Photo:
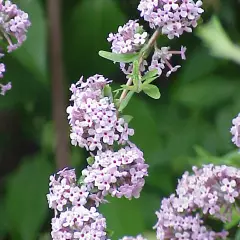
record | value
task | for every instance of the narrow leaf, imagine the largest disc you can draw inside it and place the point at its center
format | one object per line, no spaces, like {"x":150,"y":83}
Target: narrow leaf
{"x":90,"y":160}
{"x":108,"y":92}
{"x":150,"y":74}
{"x":126,"y":58}
{"x":130,"y":88}
{"x":125,"y":101}
{"x":127,"y":118}
{"x":223,"y":47}
{"x":152,"y":91}
{"x":149,"y":80}
{"x":32,"y":179}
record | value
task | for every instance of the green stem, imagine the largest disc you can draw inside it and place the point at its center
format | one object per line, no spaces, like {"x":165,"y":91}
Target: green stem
{"x":143,"y":55}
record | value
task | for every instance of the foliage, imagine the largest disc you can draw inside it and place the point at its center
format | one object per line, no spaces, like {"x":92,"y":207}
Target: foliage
{"x":196,"y":108}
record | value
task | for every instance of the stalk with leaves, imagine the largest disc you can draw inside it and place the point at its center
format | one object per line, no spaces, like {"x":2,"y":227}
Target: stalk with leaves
{"x":116,"y":166}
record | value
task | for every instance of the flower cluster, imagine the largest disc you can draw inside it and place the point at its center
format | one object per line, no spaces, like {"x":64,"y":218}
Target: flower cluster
{"x":93,"y":117}
{"x":129,"y":38}
{"x":64,"y":191}
{"x":213,"y":190}
{"x":125,"y":41}
{"x":96,"y":126}
{"x":6,"y":87}
{"x":235,"y":131}
{"x":118,"y":173}
{"x":75,"y":218}
{"x":14,"y":25}
{"x":173,"y":17}
{"x":161,"y":57}
{"x":138,"y":237}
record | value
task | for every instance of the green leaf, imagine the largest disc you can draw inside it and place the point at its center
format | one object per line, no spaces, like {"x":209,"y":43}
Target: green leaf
{"x":149,"y":80}
{"x":26,"y":203}
{"x":235,"y":220}
{"x":146,"y":135}
{"x":92,"y":21}
{"x":109,"y":232}
{"x":195,"y":69}
{"x":150,"y":74}
{"x":130,"y":88}
{"x":115,"y":57}
{"x":217,"y":40}
{"x":107,"y":90}
{"x":123,"y":216}
{"x":151,"y":90}
{"x":45,"y":236}
{"x":127,"y":118}
{"x":125,"y":101}
{"x":90,"y":160}
{"x":81,"y":180}
{"x":33,"y":53}
{"x":207,"y":92}
{"x":77,"y":157}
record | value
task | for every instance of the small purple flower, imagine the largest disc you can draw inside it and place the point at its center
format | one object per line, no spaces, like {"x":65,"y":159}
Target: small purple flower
{"x":93,"y":117}
{"x":173,"y":17}
{"x":76,"y":216}
{"x":138,"y":237}
{"x":209,"y":190}
{"x":5,"y":88}
{"x":14,"y":24}
{"x":235,"y":131}
{"x":129,"y":38}
{"x":161,"y":59}
{"x":2,"y":69}
{"x":118,"y":173}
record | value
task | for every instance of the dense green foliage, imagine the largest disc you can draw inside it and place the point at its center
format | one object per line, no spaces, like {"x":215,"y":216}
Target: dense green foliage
{"x":187,"y":126}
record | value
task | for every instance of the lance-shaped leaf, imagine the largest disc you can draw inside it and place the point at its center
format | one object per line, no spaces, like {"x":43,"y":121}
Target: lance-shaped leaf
{"x":152,"y":91}
{"x":125,"y":101}
{"x":115,"y":57}
{"x":217,"y":40}
{"x":150,"y":74}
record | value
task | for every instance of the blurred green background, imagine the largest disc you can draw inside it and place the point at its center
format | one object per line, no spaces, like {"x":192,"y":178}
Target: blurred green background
{"x":187,"y":126}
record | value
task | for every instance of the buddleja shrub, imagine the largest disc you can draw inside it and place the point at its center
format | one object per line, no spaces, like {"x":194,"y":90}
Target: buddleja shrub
{"x":116,"y":166}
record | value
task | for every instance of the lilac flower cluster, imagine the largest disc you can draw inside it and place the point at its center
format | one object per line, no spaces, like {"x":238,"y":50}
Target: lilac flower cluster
{"x":138,"y":237}
{"x":173,"y":17}
{"x":129,"y":38}
{"x":14,"y":25}
{"x":75,"y":216}
{"x":235,"y":131}
{"x":118,"y":173}
{"x":213,"y":190}
{"x":96,"y":126}
{"x":93,"y":117}
{"x":125,"y":42}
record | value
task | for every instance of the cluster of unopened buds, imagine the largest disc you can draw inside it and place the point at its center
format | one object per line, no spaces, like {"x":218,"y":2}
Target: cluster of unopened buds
{"x":14,"y":26}
{"x":116,"y":167}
